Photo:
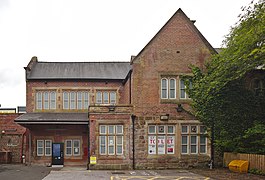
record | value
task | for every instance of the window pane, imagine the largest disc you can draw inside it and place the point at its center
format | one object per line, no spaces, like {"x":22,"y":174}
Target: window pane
{"x":202,"y":140}
{"x":48,"y":147}
{"x":184,"y":149}
{"x":184,"y":139}
{"x":76,"y":146}
{"x":172,"y":90}
{"x":119,"y":142}
{"x":151,"y":129}
{"x":151,"y":144}
{"x":119,"y":129}
{"x":161,"y":129}
{"x":193,"y":149}
{"x":182,"y":89}
{"x":170,"y":129}
{"x":68,"y":145}
{"x":203,"y":129}
{"x":86,"y":100}
{"x":113,"y":97}
{"x":106,"y":97}
{"x":164,"y":88}
{"x":66,"y":100}
{"x":39,"y":100}
{"x":40,"y":147}
{"x":46,"y":100}
{"x":193,"y":139}
{"x":184,"y":129}
{"x":53,"y":100}
{"x":193,"y":129}
{"x":202,"y":149}
{"x":72,"y":102}
{"x":170,"y":144}
{"x":79,"y":100}
{"x":161,"y":141}
{"x":99,"y":98}
{"x":111,"y":129}
{"x":102,"y":129}
{"x":102,"y":142}
{"x":111,"y":143}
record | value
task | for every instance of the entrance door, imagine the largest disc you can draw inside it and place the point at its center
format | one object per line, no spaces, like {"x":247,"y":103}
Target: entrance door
{"x":57,"y":153}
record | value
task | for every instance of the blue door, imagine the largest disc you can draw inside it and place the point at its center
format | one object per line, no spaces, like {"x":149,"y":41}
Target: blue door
{"x":57,"y":154}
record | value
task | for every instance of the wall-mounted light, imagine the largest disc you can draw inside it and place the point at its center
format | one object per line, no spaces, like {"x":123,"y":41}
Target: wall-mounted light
{"x":179,"y":108}
{"x":164,"y":117}
{"x":3,"y":132}
{"x":111,"y":108}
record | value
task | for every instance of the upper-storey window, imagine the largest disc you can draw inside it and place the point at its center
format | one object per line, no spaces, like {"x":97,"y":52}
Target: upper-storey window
{"x":75,"y":100}
{"x":168,"y":88}
{"x":106,"y":97}
{"x":182,"y":86}
{"x":46,"y":100}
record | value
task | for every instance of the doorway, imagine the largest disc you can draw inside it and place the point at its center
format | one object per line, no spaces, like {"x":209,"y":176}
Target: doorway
{"x":57,"y":153}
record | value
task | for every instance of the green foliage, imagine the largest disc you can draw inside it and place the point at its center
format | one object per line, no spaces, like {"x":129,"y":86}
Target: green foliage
{"x":219,"y":94}
{"x":256,"y":171}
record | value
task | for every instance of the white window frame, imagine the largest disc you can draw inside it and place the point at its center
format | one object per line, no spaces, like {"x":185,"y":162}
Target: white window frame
{"x":181,"y":89}
{"x":111,"y":139}
{"x":40,"y":147}
{"x":99,"y":97}
{"x":76,"y":147}
{"x":68,"y":147}
{"x":50,"y":147}
{"x":38,"y":100}
{"x":53,"y":100}
{"x":164,"y":89}
{"x":113,"y":97}
{"x":79,"y":96}
{"x":66,"y":100}
{"x":170,"y":89}
{"x":194,"y":131}
{"x":72,"y":100}
{"x":158,"y":139}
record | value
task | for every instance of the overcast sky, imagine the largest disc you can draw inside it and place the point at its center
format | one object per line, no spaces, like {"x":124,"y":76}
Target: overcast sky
{"x":99,"y":30}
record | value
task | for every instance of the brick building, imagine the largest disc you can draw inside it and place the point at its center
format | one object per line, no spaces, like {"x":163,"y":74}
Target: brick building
{"x":122,"y":114}
{"x":12,"y":137}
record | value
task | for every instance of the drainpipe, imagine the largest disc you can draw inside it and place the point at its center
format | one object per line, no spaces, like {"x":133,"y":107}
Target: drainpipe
{"x":133,"y":148}
{"x":212,"y":147}
{"x":22,"y":156}
{"x":130,"y":89}
{"x":29,"y":148}
{"x":88,"y":144}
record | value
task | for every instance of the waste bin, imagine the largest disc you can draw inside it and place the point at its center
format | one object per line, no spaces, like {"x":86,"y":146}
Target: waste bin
{"x":238,"y":166}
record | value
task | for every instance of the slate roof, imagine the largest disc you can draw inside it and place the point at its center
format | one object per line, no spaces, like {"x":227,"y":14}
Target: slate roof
{"x":79,"y":70}
{"x":53,"y":118}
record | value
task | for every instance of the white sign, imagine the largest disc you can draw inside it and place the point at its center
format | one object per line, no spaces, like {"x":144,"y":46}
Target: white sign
{"x":151,"y":144}
{"x":161,"y":144}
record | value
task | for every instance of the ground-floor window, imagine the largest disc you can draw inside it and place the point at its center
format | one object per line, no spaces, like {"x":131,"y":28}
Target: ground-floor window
{"x":44,"y":147}
{"x":111,"y":139}
{"x":161,"y":139}
{"x":193,"y":139}
{"x":72,"y":147}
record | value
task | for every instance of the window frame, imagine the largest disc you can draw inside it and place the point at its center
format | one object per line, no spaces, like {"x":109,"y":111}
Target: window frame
{"x":111,"y":145}
{"x":160,"y":140}
{"x":45,"y":145}
{"x":164,"y":88}
{"x":38,"y":147}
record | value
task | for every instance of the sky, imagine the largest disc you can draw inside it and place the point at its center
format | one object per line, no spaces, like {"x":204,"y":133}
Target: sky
{"x":87,"y":30}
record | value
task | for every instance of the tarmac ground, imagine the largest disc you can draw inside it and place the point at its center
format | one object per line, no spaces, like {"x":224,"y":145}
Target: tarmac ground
{"x":35,"y":172}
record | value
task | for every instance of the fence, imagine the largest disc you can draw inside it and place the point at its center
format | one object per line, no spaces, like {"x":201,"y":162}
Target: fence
{"x":256,"y":161}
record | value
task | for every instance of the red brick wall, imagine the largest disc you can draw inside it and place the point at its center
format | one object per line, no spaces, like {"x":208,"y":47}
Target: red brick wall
{"x":58,"y":134}
{"x":12,"y":139}
{"x":169,"y":54}
{"x":31,"y":86}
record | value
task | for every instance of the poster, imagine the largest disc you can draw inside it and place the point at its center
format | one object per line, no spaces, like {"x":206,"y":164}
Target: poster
{"x":151,"y":144}
{"x":161,"y":144}
{"x":170,"y":145}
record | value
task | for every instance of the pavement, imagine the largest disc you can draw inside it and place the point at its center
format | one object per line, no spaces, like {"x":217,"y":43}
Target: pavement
{"x":35,"y":172}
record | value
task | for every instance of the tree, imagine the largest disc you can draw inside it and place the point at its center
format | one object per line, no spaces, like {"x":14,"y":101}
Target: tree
{"x":219,"y":94}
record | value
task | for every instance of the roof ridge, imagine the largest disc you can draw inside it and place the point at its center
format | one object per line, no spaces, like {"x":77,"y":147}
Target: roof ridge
{"x":84,"y":62}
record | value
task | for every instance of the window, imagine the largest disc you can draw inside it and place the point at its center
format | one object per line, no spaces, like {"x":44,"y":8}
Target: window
{"x":193,"y":139}
{"x":111,"y":139}
{"x":48,"y":147}
{"x":168,"y":88}
{"x":106,"y":97}
{"x":44,"y":147}
{"x":45,"y":100}
{"x":161,"y":139}
{"x":75,"y":100}
{"x":183,"y":94}
{"x":72,"y":147}
{"x":40,"y":147}
{"x":258,"y":85}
